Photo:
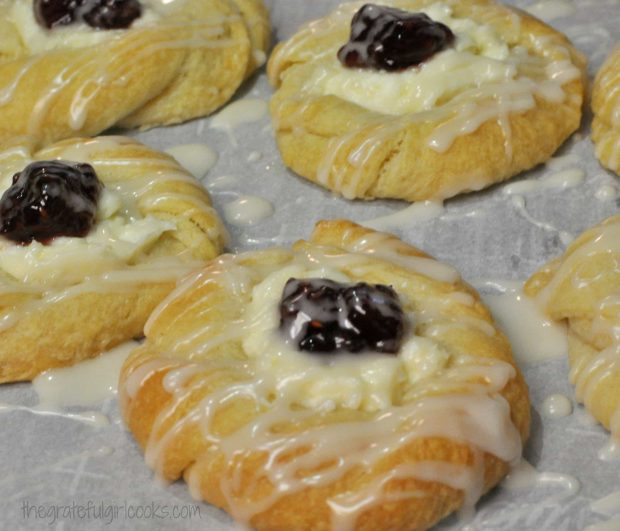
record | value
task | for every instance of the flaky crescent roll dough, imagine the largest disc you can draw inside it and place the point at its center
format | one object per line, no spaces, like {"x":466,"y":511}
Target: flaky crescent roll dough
{"x":180,"y":60}
{"x":77,"y":297}
{"x":283,"y":441}
{"x":606,"y":107}
{"x":582,"y":289}
{"x":484,"y":131}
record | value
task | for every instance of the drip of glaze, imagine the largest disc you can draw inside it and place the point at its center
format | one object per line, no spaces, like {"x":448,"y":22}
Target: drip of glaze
{"x":562,"y":162}
{"x":585,"y":418}
{"x":92,"y":418}
{"x":611,"y":451}
{"x":223,"y":181}
{"x":561,"y":181}
{"x":198,"y":159}
{"x":533,"y":336}
{"x":524,"y":476}
{"x":552,"y":9}
{"x":255,"y":156}
{"x":415,"y":213}
{"x":557,"y":407}
{"x":606,"y":192}
{"x":607,"y":506}
{"x":609,"y":525}
{"x":84,"y":384}
{"x":518,"y":201}
{"x":238,"y":113}
{"x":248,"y":211}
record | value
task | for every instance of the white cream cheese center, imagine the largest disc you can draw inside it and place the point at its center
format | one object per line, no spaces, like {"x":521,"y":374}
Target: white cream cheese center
{"x":478,"y":56}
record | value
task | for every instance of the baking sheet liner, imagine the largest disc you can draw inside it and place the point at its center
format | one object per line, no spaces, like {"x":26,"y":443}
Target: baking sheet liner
{"x":60,"y":465}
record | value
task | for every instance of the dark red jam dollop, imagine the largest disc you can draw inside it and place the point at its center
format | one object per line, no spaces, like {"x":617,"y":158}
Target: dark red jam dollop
{"x":49,"y":199}
{"x":323,"y":316}
{"x":102,"y":14}
{"x":387,"y":38}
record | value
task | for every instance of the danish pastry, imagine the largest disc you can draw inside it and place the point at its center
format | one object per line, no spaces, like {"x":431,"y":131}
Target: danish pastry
{"x":74,"y":68}
{"x":93,"y":235}
{"x":351,"y":382}
{"x":582,"y":288}
{"x":423,"y":99}
{"x":606,"y":107}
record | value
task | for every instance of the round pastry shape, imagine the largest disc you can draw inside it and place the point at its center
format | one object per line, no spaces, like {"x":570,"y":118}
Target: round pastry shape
{"x":606,"y":108}
{"x":177,"y":60}
{"x":237,"y":391}
{"x":582,"y":289}
{"x":497,"y":97}
{"x":93,"y":235}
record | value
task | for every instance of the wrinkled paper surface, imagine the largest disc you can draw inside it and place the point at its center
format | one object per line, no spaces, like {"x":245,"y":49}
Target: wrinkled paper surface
{"x":50,"y":461}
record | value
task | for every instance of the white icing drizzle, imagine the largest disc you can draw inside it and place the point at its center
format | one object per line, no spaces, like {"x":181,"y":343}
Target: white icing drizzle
{"x":237,"y":113}
{"x":611,"y":451}
{"x":561,"y":162}
{"x":223,"y":181}
{"x":607,"y":506}
{"x":92,"y":418}
{"x":415,"y":213}
{"x":525,"y":476}
{"x":197,"y":158}
{"x":557,"y":407}
{"x":386,"y":247}
{"x":534,"y":337}
{"x":248,"y":211}
{"x":585,"y":418}
{"x":519,"y":203}
{"x":469,"y":408}
{"x":609,"y":525}
{"x":606,"y":192}
{"x":84,"y":384}
{"x":255,"y":156}
{"x":560,"y":180}
{"x":552,"y":9}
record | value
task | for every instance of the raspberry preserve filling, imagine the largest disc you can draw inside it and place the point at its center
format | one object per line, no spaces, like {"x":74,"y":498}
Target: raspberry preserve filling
{"x":101,"y":14}
{"x":50,"y":199}
{"x":387,"y":38}
{"x":323,"y":316}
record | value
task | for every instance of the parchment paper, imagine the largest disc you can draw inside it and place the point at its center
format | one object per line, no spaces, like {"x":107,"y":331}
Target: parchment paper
{"x":51,"y":461}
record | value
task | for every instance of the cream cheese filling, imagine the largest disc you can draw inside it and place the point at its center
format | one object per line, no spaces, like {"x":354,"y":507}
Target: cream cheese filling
{"x":479,"y":56}
{"x":367,"y":381}
{"x":78,"y":35}
{"x":119,"y":238}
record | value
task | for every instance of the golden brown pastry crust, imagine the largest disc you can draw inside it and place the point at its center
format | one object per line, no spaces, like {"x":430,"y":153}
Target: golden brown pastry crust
{"x":186,"y":66}
{"x":606,"y":107}
{"x":154,"y":413}
{"x":320,"y":137}
{"x":582,"y":289}
{"x":98,"y":316}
